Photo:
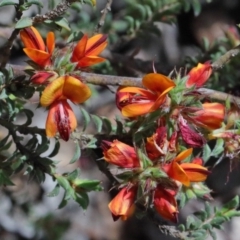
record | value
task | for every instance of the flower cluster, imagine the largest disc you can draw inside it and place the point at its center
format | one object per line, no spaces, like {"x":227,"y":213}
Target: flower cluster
{"x":160,"y":181}
{"x":60,"y":83}
{"x":158,"y":169}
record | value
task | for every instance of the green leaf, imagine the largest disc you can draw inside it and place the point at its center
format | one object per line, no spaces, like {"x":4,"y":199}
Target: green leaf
{"x":55,"y":150}
{"x":217,"y":221}
{"x":232,"y":213}
{"x":207,"y":226}
{"x":63,"y":182}
{"x":107,"y":125}
{"x":181,"y":228}
{"x":212,"y":234}
{"x":3,"y":94}
{"x":55,"y":191}
{"x":4,"y":141}
{"x":92,"y":143}
{"x":87,"y":185}
{"x":63,"y":203}
{"x":32,"y":143}
{"x":196,"y":7}
{"x":190,"y":222}
{"x":98,"y":122}
{"x":130,"y":22}
{"x":35,"y":2}
{"x":75,"y":36}
{"x":24,"y":22}
{"x":29,"y":114}
{"x":86,"y":118}
{"x":199,"y":234}
{"x":190,"y":194}
{"x":144,"y":160}
{"x":5,"y":180}
{"x":77,"y":153}
{"x":63,"y":23}
{"x":186,"y":5}
{"x":205,"y":44}
{"x":7,"y":2}
{"x":43,"y":147}
{"x":83,"y":200}
{"x":125,"y":175}
{"x":73,"y":175}
{"x":18,"y":163}
{"x":152,"y":117}
{"x":157,"y":173}
{"x":38,"y":175}
{"x":119,"y":130}
{"x":7,"y":146}
{"x":208,"y":210}
{"x":233,"y":204}
{"x":183,"y":199}
{"x":219,"y":147}
{"x":206,"y":152}
{"x":201,"y":215}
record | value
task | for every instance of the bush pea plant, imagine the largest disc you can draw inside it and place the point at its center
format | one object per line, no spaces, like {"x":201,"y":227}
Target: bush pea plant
{"x":160,"y":145}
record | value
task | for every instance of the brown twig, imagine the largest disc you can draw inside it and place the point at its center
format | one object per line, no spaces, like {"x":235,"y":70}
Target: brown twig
{"x":104,"y":80}
{"x":104,"y":14}
{"x":60,"y":9}
{"x":226,"y":58}
{"x":6,"y":50}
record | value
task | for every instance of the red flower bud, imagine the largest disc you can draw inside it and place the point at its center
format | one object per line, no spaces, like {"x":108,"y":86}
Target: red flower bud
{"x":189,"y":136}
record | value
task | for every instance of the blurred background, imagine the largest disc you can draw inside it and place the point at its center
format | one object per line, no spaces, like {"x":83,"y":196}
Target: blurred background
{"x":169,"y":34}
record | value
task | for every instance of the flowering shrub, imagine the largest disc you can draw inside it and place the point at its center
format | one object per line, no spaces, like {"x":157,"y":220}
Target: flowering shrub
{"x":157,"y":152}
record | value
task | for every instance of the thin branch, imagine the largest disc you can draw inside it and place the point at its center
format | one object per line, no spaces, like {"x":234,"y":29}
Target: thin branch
{"x":104,"y":14}
{"x":98,"y":79}
{"x":60,"y":9}
{"x":226,"y":58}
{"x":6,"y":50}
{"x":104,"y":80}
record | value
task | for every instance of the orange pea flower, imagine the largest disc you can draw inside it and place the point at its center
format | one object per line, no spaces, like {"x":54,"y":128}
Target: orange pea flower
{"x":122,"y":204}
{"x":186,"y":172}
{"x":158,"y":145}
{"x":199,"y":75}
{"x":210,"y":116}
{"x":86,"y":52}
{"x":120,"y":154}
{"x":60,"y":119}
{"x":65,"y":87}
{"x":166,"y":204}
{"x":35,"y":47}
{"x":134,"y":101}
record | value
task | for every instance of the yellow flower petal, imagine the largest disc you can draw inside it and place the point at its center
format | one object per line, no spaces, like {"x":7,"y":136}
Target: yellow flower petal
{"x":157,"y":82}
{"x":75,"y":90}
{"x":136,"y":109}
{"x":52,"y":92}
{"x":65,"y":87}
{"x":51,"y":125}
